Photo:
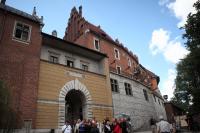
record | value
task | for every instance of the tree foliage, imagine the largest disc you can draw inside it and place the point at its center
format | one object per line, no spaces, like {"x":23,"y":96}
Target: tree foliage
{"x":9,"y":118}
{"x":187,"y":92}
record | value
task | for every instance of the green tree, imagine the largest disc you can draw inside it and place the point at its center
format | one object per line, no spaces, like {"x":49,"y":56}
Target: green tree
{"x":187,"y":92}
{"x":9,"y":119}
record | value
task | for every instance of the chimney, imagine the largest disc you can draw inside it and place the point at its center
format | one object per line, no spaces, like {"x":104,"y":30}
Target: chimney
{"x":34,"y":11}
{"x":54,"y":33}
{"x":80,"y":11}
{"x":3,"y":2}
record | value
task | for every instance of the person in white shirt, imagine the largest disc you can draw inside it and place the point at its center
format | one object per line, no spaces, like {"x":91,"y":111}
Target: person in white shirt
{"x":67,"y":128}
{"x":163,"y":126}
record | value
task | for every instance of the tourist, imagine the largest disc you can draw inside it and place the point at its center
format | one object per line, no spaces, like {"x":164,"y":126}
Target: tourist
{"x":107,"y":127}
{"x":82,"y":127}
{"x":163,"y":126}
{"x":88,"y":126}
{"x":66,"y":128}
{"x":76,"y":128}
{"x":153,"y":125}
{"x":129,"y":125}
{"x":116,"y":128}
{"x":94,"y":128}
{"x":123,"y":125}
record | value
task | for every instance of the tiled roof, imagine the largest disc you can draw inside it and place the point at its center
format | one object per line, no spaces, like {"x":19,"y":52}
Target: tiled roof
{"x":20,"y":13}
{"x":99,"y":31}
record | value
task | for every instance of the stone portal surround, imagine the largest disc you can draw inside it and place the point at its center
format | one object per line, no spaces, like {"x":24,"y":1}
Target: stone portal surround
{"x":77,"y":85}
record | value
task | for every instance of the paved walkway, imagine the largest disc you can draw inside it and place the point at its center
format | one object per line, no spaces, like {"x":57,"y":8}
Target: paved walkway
{"x":144,"y":132}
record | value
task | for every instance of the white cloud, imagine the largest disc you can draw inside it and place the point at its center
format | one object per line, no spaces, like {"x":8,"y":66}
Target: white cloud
{"x":180,"y":9}
{"x":163,"y":2}
{"x":172,"y":50}
{"x":169,"y":85}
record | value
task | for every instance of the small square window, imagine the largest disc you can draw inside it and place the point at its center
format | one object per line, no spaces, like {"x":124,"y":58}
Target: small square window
{"x":53,"y":59}
{"x":118,"y":70}
{"x":22,"y":31}
{"x":114,"y":85}
{"x":28,"y":125}
{"x":85,"y":67}
{"x":116,"y":51}
{"x":70,"y":63}
{"x":96,"y":44}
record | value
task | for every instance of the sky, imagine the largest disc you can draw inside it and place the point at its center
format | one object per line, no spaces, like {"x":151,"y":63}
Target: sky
{"x":149,"y":28}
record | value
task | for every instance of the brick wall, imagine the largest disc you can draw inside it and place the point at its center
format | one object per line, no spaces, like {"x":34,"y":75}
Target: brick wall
{"x":83,"y":33}
{"x":19,"y":65}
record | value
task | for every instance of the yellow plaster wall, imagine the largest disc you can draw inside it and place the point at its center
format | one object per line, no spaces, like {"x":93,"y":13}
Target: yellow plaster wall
{"x":53,"y":77}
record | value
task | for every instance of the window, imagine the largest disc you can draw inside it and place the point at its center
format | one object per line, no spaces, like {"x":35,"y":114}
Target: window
{"x":114,"y":85}
{"x":27,"y":125}
{"x":129,"y":62}
{"x":116,"y":51}
{"x":22,"y":31}
{"x":85,"y":67}
{"x":118,"y":69}
{"x":53,"y":59}
{"x":159,"y":101}
{"x":96,"y":44}
{"x":128,"y":89}
{"x":145,"y":95}
{"x":70,"y":63}
{"x":154,"y":98}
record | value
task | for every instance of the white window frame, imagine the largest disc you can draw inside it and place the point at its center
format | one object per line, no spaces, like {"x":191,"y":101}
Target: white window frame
{"x":115,"y":49}
{"x":18,"y":39}
{"x":119,"y":68}
{"x":70,"y":59}
{"x":114,"y":85}
{"x":84,"y":63}
{"x":96,"y":39}
{"x":128,"y":89}
{"x":51,"y":53}
{"x":129,"y":62}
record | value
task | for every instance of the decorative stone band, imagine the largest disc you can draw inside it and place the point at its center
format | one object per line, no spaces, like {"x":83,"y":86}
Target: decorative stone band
{"x":77,"y":85}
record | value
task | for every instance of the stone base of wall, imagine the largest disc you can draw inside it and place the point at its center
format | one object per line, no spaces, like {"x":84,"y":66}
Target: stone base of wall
{"x":37,"y":131}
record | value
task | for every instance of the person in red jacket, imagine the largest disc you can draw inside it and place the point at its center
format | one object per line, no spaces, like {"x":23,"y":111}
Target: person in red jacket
{"x":117,"y":128}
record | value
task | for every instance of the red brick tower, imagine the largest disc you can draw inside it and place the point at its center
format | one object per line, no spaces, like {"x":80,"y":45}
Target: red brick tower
{"x":20,"y":43}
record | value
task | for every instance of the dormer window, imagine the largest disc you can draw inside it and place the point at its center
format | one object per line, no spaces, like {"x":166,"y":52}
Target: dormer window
{"x":118,"y":70}
{"x":116,"y":51}
{"x":96,"y":44}
{"x":22,"y":31}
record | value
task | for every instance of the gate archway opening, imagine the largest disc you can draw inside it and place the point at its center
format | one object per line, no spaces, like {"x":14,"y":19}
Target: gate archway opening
{"x":75,"y":105}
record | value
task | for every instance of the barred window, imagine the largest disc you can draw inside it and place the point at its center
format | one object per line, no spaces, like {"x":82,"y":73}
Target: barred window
{"x":128,"y":89}
{"x":114,"y":85}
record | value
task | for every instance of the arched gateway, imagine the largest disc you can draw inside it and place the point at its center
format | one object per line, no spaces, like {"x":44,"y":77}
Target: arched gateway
{"x":74,"y":92}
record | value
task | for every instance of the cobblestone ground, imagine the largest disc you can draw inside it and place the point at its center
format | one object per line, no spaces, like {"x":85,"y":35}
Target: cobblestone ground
{"x":182,"y":131}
